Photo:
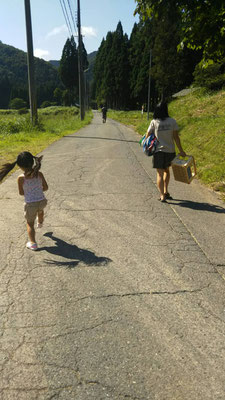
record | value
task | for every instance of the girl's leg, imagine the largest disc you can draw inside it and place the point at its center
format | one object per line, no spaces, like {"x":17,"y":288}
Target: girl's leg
{"x":160,"y":182}
{"x":31,"y":231}
{"x":40,"y":217}
{"x":166,"y":179}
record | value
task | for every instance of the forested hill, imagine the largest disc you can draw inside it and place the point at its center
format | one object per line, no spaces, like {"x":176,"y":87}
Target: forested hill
{"x":14,"y":75}
{"x":91,"y":61}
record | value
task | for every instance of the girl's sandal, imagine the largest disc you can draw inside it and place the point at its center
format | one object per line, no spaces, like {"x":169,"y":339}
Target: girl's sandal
{"x":32,"y":246}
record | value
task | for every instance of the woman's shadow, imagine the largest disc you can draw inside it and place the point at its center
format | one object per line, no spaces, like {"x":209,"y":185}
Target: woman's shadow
{"x":72,"y":252}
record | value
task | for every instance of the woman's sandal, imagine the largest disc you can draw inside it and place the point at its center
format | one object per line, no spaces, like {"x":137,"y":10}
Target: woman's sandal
{"x":167,"y":196}
{"x":163,"y":200}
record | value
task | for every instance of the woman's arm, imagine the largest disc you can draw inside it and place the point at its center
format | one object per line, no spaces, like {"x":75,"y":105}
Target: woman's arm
{"x":151,"y":129}
{"x":20,"y":181}
{"x":44,"y":183}
{"x":178,"y":143}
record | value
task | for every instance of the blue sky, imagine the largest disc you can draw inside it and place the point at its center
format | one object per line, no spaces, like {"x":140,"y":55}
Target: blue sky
{"x":50,"y":29}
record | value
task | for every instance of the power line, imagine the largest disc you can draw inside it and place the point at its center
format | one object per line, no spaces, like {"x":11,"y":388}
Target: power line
{"x":71,"y":13}
{"x":64,"y":10}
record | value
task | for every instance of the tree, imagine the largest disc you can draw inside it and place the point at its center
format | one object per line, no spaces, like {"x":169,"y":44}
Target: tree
{"x":5,"y":89}
{"x":67,"y":97}
{"x":111,"y":70}
{"x":57,"y":95}
{"x":68,"y":68}
{"x":167,"y":69}
{"x":141,"y":42}
{"x":202,"y":23}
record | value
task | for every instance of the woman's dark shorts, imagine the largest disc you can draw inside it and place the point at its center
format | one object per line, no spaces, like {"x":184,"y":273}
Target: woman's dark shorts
{"x":162,"y":160}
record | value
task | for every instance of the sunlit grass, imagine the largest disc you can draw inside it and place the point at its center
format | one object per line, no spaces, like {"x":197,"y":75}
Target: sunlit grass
{"x":17,"y":133}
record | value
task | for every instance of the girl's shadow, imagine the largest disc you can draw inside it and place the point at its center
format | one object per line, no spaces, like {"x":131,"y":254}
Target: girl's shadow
{"x":72,"y":252}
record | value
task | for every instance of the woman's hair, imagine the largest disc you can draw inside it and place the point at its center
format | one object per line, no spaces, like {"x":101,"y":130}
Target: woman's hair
{"x":161,"y":111}
{"x":24,"y":160}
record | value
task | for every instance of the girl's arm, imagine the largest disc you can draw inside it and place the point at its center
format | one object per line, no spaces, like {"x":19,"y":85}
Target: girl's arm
{"x":178,"y":143}
{"x":20,"y":181}
{"x":44,"y":183}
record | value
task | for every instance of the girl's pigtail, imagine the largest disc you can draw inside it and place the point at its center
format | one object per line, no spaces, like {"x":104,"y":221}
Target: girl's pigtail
{"x":37,"y":165}
{"x":6,"y":168}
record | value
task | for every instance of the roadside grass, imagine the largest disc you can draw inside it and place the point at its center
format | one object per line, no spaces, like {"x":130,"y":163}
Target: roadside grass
{"x":201,"y":119}
{"x":133,"y":119}
{"x":17,"y":134}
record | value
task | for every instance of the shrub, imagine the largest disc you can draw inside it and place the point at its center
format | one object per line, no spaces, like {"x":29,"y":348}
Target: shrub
{"x":22,"y":111}
{"x":47,"y":103}
{"x":17,"y":104}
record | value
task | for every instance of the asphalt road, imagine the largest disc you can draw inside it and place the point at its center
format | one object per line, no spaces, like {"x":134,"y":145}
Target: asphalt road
{"x":125,"y":297}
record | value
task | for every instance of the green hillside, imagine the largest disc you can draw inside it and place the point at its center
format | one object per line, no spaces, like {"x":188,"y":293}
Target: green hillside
{"x":201,"y":118}
{"x":14,"y":76}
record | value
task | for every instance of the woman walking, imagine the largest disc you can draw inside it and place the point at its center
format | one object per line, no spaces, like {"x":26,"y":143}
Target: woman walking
{"x":166,"y":131}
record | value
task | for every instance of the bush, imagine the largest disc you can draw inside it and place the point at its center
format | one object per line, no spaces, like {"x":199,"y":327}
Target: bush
{"x":47,"y":103}
{"x":22,"y":111}
{"x":17,"y":104}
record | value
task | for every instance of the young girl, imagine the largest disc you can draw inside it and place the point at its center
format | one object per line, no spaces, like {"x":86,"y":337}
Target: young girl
{"x":31,"y":185}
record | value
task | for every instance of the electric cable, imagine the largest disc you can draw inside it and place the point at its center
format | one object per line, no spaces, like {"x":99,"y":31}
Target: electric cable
{"x":64,"y":10}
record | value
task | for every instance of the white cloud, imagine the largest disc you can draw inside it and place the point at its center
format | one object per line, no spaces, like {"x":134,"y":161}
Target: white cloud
{"x":89,"y":31}
{"x":41,"y":53}
{"x":57,"y":30}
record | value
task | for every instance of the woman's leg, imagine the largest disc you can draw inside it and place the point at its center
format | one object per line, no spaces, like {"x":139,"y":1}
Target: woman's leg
{"x":166,"y":179}
{"x":31,"y":231}
{"x":160,"y":182}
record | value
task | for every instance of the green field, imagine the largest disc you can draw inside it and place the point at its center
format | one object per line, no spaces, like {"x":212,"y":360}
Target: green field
{"x":201,"y":119}
{"x":17,"y":133}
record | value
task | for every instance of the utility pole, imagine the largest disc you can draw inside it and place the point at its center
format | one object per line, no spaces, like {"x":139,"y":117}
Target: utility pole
{"x":80,"y":64}
{"x":86,"y":90}
{"x":30,"y":63}
{"x":149,"y":81}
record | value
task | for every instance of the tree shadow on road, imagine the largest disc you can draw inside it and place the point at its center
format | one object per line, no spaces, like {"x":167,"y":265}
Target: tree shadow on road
{"x":100,"y":138}
{"x":73,"y":253}
{"x":194,"y":205}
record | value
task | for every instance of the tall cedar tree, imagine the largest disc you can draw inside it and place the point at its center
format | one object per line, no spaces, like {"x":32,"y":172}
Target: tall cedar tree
{"x":68,"y":67}
{"x":166,"y":36}
{"x":172,"y":70}
{"x":120,"y":68}
{"x":112,"y":70}
{"x":139,"y":57}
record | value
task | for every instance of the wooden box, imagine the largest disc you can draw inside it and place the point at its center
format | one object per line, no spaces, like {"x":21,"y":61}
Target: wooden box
{"x":184,"y":168}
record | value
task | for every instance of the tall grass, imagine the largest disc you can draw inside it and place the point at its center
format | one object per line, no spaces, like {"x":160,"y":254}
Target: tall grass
{"x":17,"y":133}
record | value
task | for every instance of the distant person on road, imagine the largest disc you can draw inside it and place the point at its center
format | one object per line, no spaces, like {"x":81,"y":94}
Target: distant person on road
{"x":104,"y":113}
{"x":31,"y":185}
{"x":166,"y":131}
